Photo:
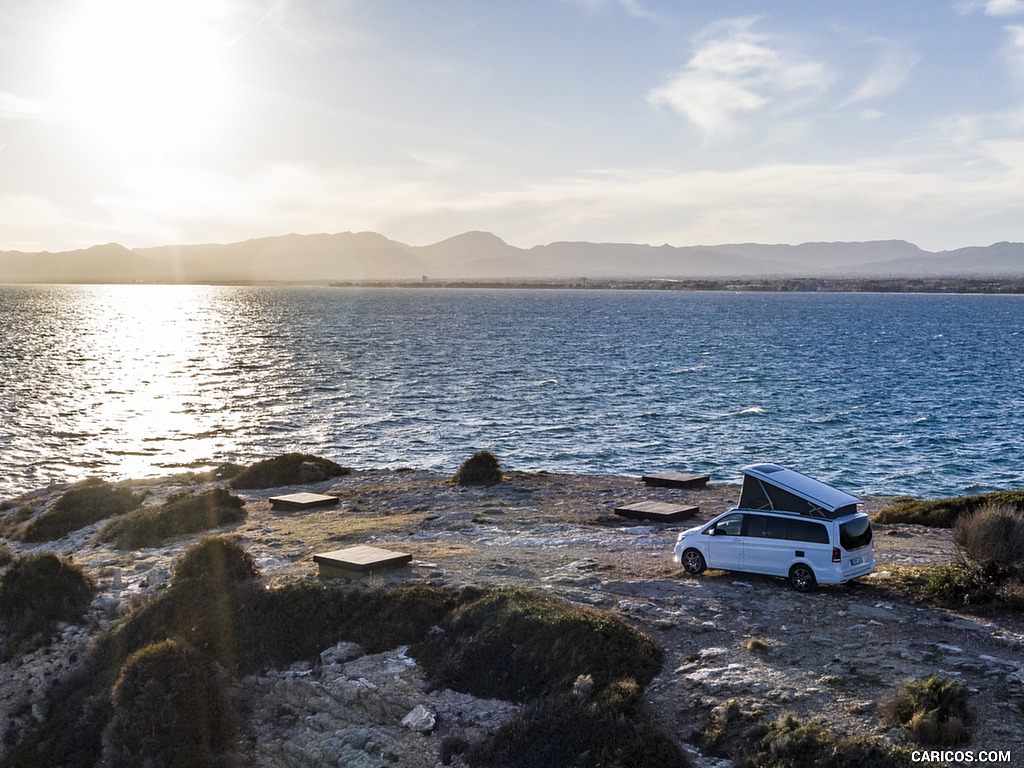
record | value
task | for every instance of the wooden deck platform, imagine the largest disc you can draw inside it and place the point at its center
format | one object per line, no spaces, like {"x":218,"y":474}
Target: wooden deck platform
{"x":676,"y":480}
{"x":302,"y":501}
{"x":353,"y":562}
{"x":658,"y":511}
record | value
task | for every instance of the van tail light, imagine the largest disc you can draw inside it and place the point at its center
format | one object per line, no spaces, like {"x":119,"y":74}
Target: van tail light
{"x":837,"y":556}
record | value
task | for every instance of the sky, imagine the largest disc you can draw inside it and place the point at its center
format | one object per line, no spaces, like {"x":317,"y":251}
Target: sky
{"x":151,"y":122}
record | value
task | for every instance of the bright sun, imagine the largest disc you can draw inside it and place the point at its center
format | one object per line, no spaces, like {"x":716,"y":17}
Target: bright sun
{"x":143,"y":75}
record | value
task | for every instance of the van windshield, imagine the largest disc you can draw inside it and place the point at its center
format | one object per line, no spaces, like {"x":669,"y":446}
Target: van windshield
{"x":855,"y":534}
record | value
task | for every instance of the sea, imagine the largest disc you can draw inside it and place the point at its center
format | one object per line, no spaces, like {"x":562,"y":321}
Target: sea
{"x":877,"y":394}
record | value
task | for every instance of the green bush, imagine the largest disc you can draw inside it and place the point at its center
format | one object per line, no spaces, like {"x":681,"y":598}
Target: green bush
{"x":222,"y":560}
{"x":955,"y":584}
{"x":88,"y":502}
{"x":238,"y":626}
{"x":39,"y":590}
{"x":517,"y":645}
{"x":789,"y":743}
{"x":933,"y":712}
{"x":562,"y":731}
{"x":172,"y":706}
{"x":181,"y":514}
{"x":289,"y":469}
{"x":943,"y":513}
{"x":482,"y":468}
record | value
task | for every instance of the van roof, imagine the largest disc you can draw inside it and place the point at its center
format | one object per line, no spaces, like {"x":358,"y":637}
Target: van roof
{"x":762,"y":482}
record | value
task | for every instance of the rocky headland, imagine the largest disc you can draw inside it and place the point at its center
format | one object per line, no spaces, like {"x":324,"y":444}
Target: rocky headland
{"x":730,"y":640}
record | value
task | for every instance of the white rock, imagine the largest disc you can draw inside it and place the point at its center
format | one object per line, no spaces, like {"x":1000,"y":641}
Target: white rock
{"x":420,"y":719}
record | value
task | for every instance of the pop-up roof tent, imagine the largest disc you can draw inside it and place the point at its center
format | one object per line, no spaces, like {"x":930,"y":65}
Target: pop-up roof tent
{"x":769,"y":486}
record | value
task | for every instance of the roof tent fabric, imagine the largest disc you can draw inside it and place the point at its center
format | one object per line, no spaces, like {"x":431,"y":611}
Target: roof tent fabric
{"x":769,"y":486}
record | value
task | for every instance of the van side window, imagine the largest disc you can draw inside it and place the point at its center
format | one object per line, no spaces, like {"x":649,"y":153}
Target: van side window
{"x":757,"y":525}
{"x":729,"y":526}
{"x":776,"y":528}
{"x":805,"y":530}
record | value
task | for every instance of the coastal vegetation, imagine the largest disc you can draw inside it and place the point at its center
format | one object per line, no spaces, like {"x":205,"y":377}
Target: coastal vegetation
{"x":287,"y":469}
{"x":171,"y":706}
{"x":36,"y":592}
{"x":933,"y":712}
{"x":944,"y":513}
{"x":85,"y":503}
{"x":166,"y":669}
{"x":482,"y":468}
{"x":989,"y":571}
{"x":181,"y":514}
{"x":788,"y":742}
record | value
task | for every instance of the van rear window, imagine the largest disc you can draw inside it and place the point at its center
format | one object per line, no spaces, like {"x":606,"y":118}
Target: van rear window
{"x":855,"y":534}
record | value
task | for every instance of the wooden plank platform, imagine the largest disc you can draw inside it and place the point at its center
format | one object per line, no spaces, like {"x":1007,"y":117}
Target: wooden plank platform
{"x":658,"y":511}
{"x":353,"y":562}
{"x":302,"y":501}
{"x":676,"y":480}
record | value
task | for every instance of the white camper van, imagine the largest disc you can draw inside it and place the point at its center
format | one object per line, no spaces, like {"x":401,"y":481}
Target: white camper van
{"x":786,"y":524}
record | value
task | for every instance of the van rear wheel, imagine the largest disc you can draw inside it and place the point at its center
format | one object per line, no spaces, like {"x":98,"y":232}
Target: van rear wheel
{"x":693,"y":562}
{"x":802,"y":578}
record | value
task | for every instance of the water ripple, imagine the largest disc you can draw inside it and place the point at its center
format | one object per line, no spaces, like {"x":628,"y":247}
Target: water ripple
{"x":884,"y":394}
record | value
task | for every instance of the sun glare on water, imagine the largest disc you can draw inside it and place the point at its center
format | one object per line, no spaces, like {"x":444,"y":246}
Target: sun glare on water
{"x":148,"y":351}
{"x":143,"y":75}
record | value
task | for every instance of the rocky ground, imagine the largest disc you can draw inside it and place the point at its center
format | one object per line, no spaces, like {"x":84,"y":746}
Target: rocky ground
{"x":832,"y":654}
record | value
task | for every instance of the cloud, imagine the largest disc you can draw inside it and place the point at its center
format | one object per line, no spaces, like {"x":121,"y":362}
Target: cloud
{"x":890,"y":73}
{"x":631,"y":7}
{"x":738,"y":71}
{"x":1013,"y":51}
{"x":15,"y":106}
{"x":991,"y":7}
{"x":1004,"y":7}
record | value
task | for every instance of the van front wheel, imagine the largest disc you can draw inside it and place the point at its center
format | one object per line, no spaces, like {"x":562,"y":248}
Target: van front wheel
{"x":693,"y":562}
{"x":802,"y":578}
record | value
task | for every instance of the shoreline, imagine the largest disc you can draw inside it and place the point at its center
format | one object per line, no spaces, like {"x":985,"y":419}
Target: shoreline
{"x":1000,"y":285}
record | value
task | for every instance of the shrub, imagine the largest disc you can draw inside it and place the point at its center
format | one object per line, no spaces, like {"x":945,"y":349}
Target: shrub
{"x":943,"y":513}
{"x":39,"y":590}
{"x":288,"y":469}
{"x":758,"y":645}
{"x":933,"y":711}
{"x":562,"y":731}
{"x":226,"y":471}
{"x":514,"y":644}
{"x":992,"y":538}
{"x":88,"y":502}
{"x":481,"y":468}
{"x":241,"y":627}
{"x":223,"y":560}
{"x":181,"y":514}
{"x":789,"y":743}
{"x":956,"y":584}
{"x":171,"y":707}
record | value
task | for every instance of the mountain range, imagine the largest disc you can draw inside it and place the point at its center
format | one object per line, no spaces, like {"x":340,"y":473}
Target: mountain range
{"x":368,"y":256}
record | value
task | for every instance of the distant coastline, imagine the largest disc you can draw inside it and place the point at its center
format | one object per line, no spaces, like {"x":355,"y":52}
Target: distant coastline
{"x":1007,"y":286}
{"x":482,"y":259}
{"x":935,"y":285}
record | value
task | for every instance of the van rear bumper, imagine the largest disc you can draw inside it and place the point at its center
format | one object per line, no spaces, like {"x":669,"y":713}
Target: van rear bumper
{"x":861,"y":570}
